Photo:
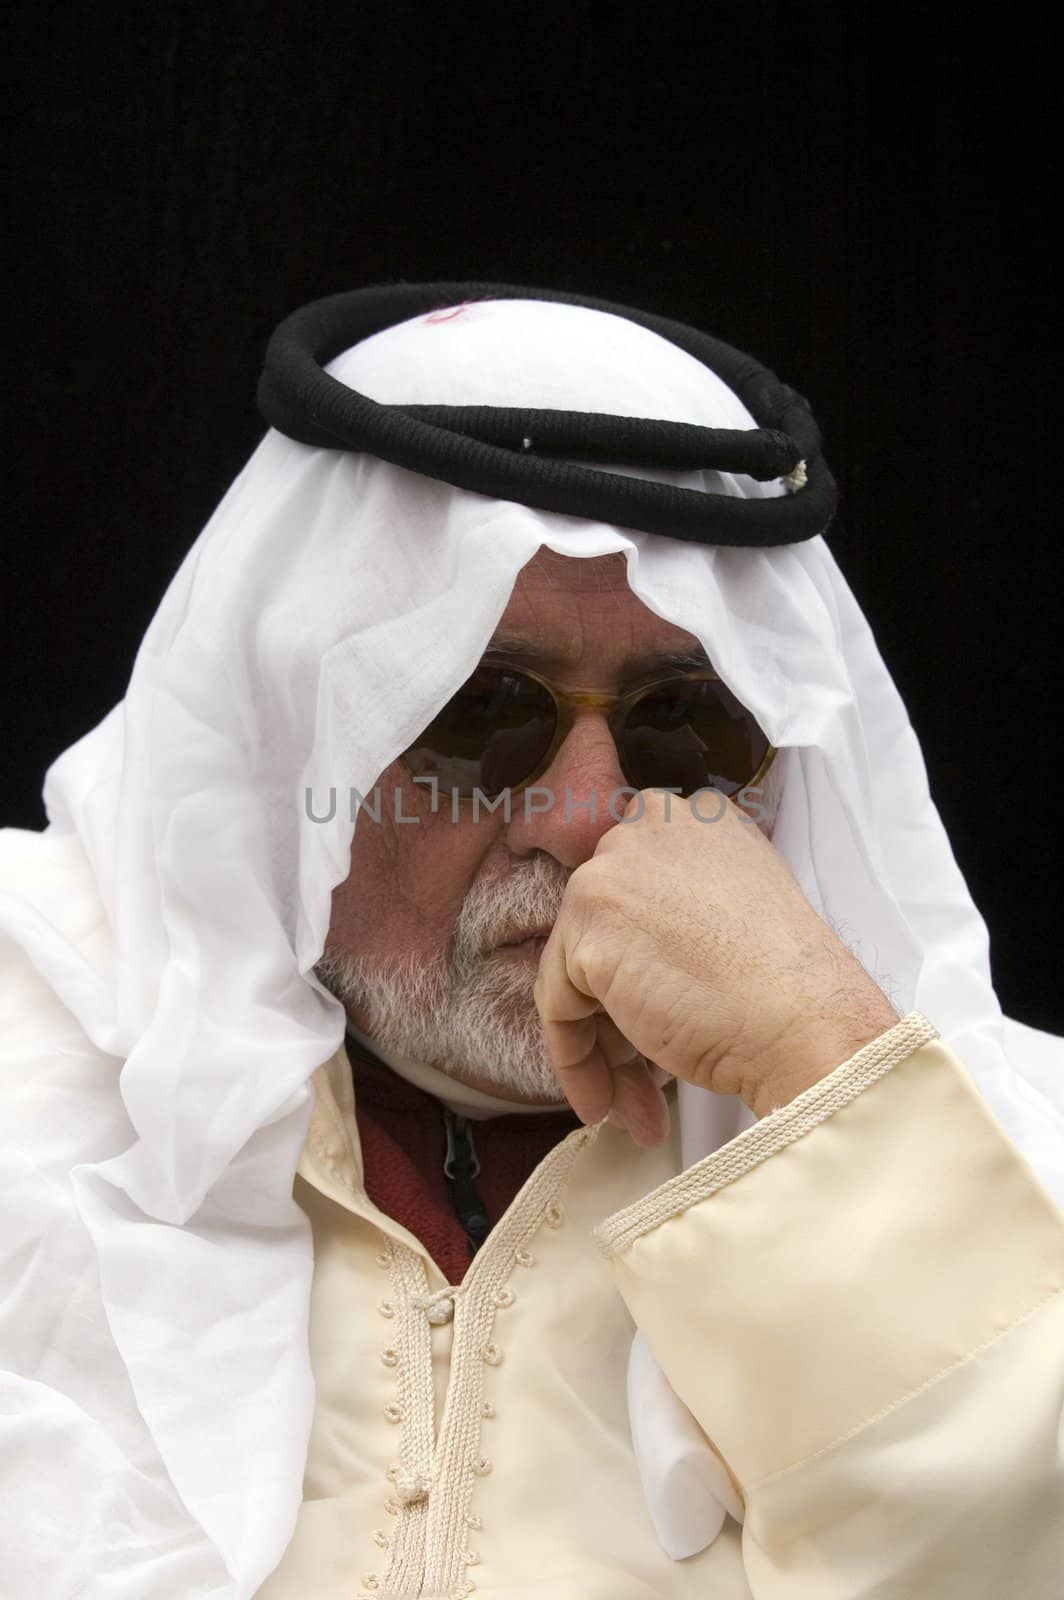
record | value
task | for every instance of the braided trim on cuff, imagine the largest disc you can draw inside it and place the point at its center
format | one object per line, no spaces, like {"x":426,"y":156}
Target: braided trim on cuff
{"x":767,"y":1137}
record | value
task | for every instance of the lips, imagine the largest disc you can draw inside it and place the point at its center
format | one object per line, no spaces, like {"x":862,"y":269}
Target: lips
{"x":531,"y":941}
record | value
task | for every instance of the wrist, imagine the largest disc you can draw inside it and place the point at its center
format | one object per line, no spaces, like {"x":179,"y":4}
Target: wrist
{"x":813,"y":1049}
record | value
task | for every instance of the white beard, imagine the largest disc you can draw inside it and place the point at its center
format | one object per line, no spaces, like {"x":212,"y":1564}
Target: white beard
{"x":474,"y":1013}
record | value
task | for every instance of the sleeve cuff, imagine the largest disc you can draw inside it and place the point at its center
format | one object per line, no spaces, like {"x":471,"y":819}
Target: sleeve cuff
{"x":768,"y":1136}
{"x":895,"y":1233}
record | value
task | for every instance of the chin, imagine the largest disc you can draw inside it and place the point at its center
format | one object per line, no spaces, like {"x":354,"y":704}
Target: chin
{"x":500,"y":1043}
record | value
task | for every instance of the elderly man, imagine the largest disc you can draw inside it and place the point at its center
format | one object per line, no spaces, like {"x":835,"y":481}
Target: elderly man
{"x":639,"y":1244}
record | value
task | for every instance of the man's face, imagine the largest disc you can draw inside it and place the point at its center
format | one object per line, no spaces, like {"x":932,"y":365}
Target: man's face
{"x":427,"y":942}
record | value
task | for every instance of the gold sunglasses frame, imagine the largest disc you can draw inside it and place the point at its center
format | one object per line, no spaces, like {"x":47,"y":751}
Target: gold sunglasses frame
{"x":568,"y":701}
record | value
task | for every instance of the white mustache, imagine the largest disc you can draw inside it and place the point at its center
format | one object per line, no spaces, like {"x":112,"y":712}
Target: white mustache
{"x":527,"y":901}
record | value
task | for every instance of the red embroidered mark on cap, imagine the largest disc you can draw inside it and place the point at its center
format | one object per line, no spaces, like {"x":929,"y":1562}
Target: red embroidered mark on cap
{"x":447,"y":315}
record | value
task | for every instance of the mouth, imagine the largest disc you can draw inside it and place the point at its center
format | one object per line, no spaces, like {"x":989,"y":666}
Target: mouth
{"x":529,"y":945}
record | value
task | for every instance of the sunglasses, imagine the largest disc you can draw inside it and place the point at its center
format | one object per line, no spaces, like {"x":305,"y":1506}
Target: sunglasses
{"x":505,"y":725}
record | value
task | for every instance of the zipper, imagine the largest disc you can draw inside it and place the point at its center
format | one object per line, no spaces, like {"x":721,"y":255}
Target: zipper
{"x":461,"y":1167}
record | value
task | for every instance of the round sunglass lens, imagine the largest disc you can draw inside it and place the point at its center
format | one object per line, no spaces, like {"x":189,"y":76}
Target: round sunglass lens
{"x":490,"y":736}
{"x":691,"y":735}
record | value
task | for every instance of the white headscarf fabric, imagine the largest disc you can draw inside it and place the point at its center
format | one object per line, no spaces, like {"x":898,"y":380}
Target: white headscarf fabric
{"x":154,"y":1268}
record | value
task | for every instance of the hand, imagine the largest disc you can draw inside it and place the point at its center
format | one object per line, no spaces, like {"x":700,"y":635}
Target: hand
{"x":688,"y":946}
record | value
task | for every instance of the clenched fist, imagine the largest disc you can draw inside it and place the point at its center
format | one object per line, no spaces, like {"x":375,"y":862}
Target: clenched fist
{"x":688,"y":947}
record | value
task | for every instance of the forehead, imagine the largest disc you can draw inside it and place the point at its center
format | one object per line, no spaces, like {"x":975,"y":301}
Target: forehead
{"x":573,"y":608}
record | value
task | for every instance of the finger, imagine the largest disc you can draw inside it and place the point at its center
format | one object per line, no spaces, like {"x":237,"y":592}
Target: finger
{"x":659,"y":1074}
{"x":580,"y":1067}
{"x":639,"y":1103}
{"x":569,"y":1021}
{"x":619,"y":1051}
{"x":634,"y":1107}
{"x":616,"y":1049}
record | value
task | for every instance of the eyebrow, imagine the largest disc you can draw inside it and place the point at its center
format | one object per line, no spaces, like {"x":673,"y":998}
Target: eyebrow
{"x":634,"y":670}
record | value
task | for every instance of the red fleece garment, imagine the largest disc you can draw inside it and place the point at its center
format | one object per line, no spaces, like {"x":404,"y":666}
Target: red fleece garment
{"x":404,"y":1142}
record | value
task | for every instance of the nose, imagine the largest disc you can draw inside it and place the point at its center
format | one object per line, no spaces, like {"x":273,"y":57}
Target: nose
{"x":566,"y":812}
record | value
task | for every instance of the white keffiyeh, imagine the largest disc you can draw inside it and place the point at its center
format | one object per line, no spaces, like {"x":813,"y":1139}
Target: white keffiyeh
{"x":154,"y":1268}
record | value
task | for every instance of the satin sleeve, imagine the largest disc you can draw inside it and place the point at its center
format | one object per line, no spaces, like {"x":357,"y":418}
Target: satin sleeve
{"x":859,"y":1299}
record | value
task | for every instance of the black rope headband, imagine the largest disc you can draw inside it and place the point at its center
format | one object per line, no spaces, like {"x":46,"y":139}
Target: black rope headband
{"x":507,"y":453}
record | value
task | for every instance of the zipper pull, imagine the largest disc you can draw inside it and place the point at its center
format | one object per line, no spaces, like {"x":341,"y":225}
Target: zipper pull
{"x":461,"y":1168}
{"x":461,"y":1151}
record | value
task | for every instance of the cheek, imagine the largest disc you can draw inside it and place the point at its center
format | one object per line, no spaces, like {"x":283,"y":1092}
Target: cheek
{"x":407,"y":879}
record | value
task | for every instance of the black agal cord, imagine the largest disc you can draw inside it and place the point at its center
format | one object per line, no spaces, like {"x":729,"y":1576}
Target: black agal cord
{"x":531,"y":456}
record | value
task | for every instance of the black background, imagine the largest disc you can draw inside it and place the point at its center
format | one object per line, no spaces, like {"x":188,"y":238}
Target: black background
{"x":860,"y":195}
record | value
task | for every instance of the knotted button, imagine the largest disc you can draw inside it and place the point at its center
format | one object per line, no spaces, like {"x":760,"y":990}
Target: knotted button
{"x":412,"y":1487}
{"x":437,"y":1306}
